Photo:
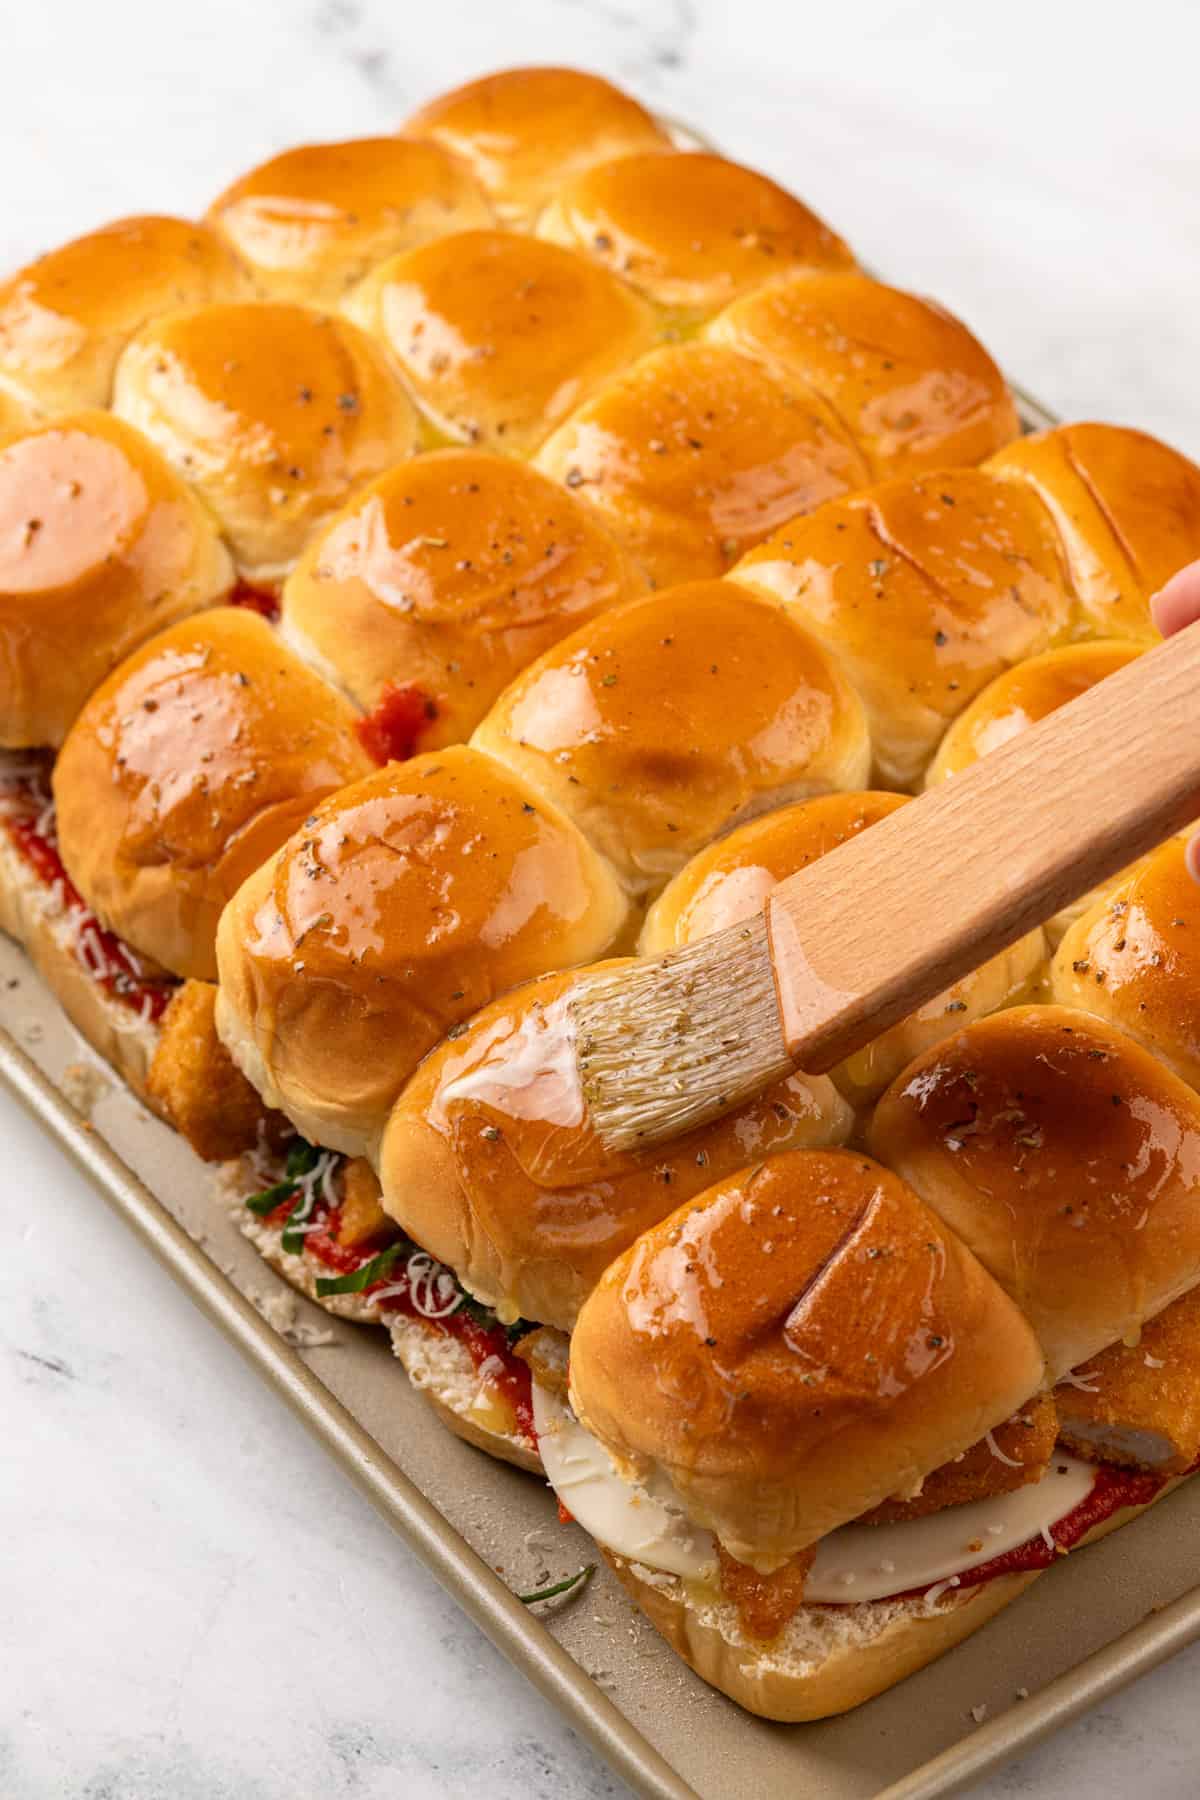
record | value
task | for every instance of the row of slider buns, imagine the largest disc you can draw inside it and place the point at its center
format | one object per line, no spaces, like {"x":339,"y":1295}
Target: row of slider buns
{"x":625,"y":734}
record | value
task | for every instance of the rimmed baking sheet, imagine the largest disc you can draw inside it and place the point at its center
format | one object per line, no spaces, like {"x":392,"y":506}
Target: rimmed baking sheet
{"x":486,"y":1531}
{"x":1093,"y":1623}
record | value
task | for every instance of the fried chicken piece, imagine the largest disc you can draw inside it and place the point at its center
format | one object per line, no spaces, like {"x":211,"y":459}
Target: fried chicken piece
{"x":197,"y":1086}
{"x":1139,"y":1404}
{"x":361,"y":1215}
{"x":765,"y":1603}
{"x":1015,"y":1453}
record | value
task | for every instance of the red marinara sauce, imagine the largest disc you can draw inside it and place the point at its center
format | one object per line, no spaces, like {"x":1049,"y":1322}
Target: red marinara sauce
{"x":484,"y":1344}
{"x":392,"y":731}
{"x":262,"y":600}
{"x":109,"y":961}
{"x":1112,"y":1489}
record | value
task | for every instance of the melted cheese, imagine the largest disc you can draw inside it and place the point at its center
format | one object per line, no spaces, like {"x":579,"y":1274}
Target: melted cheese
{"x":647,"y":1524}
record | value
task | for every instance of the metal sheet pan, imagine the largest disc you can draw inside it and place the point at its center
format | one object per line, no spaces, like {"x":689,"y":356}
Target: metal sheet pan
{"x":1094,"y":1623}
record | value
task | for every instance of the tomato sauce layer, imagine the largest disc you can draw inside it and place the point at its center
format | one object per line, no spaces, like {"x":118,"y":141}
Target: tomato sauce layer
{"x":487,"y":1345}
{"x":28,"y":822}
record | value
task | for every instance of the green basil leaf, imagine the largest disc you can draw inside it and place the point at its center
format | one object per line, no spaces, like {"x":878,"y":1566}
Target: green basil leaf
{"x":302,"y":1158}
{"x":270,"y":1198}
{"x":578,"y":1580}
{"x":358,"y":1279}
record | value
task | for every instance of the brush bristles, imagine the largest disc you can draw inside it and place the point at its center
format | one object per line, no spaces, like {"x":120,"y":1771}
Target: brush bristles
{"x":667,"y":1044}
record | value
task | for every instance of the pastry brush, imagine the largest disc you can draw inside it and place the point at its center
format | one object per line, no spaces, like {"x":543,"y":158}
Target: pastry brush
{"x":861,"y":937}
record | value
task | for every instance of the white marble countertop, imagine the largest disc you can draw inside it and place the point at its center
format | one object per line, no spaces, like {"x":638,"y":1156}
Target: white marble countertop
{"x":193,"y":1603}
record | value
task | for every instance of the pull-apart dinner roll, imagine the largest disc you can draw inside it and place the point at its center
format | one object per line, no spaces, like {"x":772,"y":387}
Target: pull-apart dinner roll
{"x":910,"y":383}
{"x":490,"y":1162}
{"x":501,"y":336}
{"x":798,"y":1344}
{"x":272,"y":412}
{"x":730,"y":882}
{"x":1017,"y":699}
{"x":65,"y":319}
{"x":690,"y":230}
{"x":101,"y":544}
{"x":1128,"y":510}
{"x":187,"y":767}
{"x":1067,"y":1158}
{"x":526,"y":131}
{"x":443,"y":579}
{"x":310,"y":222}
{"x":925,"y":590}
{"x":406,"y":903}
{"x":675,"y":716}
{"x":1134,"y":959}
{"x":696,"y":453}
{"x":1022,"y":695}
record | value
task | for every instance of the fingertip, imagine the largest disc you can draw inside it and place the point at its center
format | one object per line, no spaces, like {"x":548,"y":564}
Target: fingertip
{"x":1193,"y":858}
{"x":1178,"y":603}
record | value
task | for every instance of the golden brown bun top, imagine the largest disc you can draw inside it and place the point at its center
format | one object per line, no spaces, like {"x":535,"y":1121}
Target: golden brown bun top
{"x":490,"y":1162}
{"x":1066,"y":1157}
{"x":913,"y":386}
{"x":926,"y":589}
{"x":1128,"y":507}
{"x":444,"y":578}
{"x":412,"y":899}
{"x":691,"y":230}
{"x":189,"y":765}
{"x":501,"y":336}
{"x":805,"y":1323}
{"x":525,"y":131}
{"x":668,"y":719}
{"x":730,"y":880}
{"x":101,"y":544}
{"x":1021,"y":696}
{"x":273,"y":412}
{"x":696,"y":453}
{"x":1135,"y":959}
{"x":311,"y":221}
{"x":65,"y":318}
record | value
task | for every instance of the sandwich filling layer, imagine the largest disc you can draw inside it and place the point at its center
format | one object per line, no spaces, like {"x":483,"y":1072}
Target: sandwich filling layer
{"x":962,"y":1545}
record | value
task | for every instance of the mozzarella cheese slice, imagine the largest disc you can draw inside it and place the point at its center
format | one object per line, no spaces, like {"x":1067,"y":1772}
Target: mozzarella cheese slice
{"x":647,"y":1524}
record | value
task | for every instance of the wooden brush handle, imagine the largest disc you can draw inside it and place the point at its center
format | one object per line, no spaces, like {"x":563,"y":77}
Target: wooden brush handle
{"x":893,"y":917}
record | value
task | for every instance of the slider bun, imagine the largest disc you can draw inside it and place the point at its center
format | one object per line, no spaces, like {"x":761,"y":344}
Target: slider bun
{"x":65,"y":319}
{"x":490,"y":1162}
{"x":501,"y":336}
{"x":39,"y":917}
{"x":690,"y":230}
{"x":925,"y":590}
{"x":1134,"y":959}
{"x":827,"y":1659}
{"x":730,"y":882}
{"x":798,"y":1344}
{"x":1016,"y":700}
{"x":101,"y":544}
{"x":667,"y":720}
{"x":409,"y":901}
{"x":526,"y":131}
{"x":310,"y":222}
{"x":188,"y":765}
{"x":1067,"y":1158}
{"x":272,"y":412}
{"x":441,"y":1370}
{"x":912,"y":385}
{"x":1021,"y":696}
{"x":447,"y":576}
{"x":696,"y":453}
{"x":1128,"y":510}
